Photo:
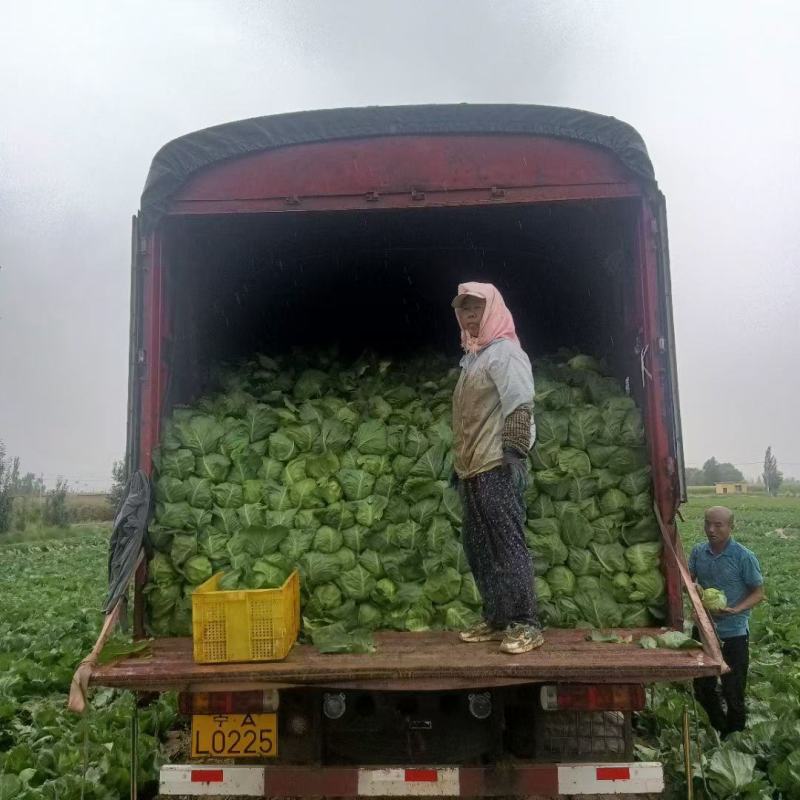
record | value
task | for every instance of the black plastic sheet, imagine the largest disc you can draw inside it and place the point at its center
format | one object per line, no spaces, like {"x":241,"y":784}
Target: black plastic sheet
{"x":127,"y":538}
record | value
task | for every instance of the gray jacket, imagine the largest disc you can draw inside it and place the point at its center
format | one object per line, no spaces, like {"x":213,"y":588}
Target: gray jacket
{"x":493,"y":383}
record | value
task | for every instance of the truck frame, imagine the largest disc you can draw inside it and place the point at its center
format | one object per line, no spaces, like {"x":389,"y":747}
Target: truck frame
{"x":424,"y":715}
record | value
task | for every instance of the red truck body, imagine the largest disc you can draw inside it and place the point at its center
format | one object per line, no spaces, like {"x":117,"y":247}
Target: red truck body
{"x":530,"y":190}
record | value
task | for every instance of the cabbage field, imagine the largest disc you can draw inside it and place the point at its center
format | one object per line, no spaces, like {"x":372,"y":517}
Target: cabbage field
{"x":52,"y":592}
{"x":343,"y":471}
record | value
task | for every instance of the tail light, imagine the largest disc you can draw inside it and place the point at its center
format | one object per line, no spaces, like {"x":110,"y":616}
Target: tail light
{"x":255,"y":702}
{"x":584,"y":697}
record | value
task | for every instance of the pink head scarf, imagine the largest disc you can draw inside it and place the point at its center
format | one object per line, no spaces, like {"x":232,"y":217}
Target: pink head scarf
{"x":497,"y":322}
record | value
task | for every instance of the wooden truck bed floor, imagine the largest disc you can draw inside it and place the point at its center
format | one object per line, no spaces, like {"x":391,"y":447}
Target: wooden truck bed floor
{"x":421,"y":661}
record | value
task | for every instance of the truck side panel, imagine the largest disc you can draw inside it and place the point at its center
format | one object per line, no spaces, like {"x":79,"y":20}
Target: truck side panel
{"x":655,"y":357}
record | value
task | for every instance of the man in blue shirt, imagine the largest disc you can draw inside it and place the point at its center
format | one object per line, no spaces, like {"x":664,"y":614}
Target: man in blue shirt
{"x":722,"y":563}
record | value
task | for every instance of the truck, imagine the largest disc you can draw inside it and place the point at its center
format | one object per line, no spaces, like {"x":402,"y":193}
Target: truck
{"x":272,"y":232}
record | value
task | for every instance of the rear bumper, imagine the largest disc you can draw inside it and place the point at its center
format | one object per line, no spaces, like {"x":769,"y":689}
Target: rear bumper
{"x":543,"y":780}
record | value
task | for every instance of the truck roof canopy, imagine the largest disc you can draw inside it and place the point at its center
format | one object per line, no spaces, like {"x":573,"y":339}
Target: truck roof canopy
{"x":181,"y":158}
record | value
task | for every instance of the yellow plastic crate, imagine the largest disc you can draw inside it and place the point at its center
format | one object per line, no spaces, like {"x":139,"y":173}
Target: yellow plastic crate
{"x":244,"y":624}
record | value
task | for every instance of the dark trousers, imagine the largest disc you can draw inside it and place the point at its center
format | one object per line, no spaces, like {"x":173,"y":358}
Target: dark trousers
{"x":493,"y":536}
{"x":736,"y":652}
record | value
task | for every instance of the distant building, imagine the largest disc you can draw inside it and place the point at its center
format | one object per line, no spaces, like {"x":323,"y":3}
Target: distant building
{"x":731,"y":488}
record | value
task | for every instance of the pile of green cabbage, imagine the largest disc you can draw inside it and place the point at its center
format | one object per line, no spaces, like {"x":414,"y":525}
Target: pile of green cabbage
{"x":343,"y":471}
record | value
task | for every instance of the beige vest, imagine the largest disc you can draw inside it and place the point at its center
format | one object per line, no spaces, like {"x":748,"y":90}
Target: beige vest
{"x":477,"y":423}
{"x":492,"y":384}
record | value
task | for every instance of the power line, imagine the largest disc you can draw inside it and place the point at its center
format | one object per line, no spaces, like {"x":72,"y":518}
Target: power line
{"x":757,"y":463}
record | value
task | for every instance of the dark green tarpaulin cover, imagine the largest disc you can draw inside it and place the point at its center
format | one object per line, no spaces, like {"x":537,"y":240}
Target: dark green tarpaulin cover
{"x":179,"y":159}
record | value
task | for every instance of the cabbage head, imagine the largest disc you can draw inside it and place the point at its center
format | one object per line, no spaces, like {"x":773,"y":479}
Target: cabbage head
{"x":444,"y":586}
{"x":598,"y":609}
{"x":714,"y":599}
{"x":197,"y":570}
{"x":542,"y":588}
{"x":648,"y":587}
{"x":369,"y":616}
{"x":561,"y":581}
{"x":643,"y":557}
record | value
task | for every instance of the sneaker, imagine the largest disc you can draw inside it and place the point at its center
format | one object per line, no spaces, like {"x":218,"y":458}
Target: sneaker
{"x":481,"y":632}
{"x":521,"y":639}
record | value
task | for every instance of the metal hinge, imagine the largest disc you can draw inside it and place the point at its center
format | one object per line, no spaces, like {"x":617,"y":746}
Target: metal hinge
{"x":646,"y":374}
{"x":294,"y":200}
{"x":416,"y":194}
{"x":142,"y":246}
{"x":141,"y":357}
{"x":496,"y":192}
{"x":372,"y":197}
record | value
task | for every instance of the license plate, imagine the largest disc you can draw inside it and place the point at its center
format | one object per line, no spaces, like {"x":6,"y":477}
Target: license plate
{"x":235,"y":735}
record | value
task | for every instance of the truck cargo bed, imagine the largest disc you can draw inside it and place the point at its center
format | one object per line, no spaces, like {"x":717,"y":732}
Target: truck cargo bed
{"x":421,"y":661}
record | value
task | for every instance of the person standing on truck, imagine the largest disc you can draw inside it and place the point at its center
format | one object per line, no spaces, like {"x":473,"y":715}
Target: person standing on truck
{"x":722,"y":563}
{"x":493,"y":431}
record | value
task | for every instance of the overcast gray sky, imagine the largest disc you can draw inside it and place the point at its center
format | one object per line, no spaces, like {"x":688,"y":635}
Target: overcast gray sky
{"x":90,"y":90}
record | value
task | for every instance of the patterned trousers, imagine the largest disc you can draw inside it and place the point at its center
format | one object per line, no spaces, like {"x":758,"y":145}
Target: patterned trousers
{"x":494,"y":542}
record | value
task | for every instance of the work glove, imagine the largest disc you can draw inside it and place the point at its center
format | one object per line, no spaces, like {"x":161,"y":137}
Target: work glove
{"x":517,"y":467}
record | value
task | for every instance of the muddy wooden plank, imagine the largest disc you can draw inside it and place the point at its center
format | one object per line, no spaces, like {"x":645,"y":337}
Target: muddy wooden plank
{"x":434,"y":657}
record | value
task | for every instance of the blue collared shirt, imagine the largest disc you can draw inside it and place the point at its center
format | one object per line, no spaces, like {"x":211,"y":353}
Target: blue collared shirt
{"x":736,"y":572}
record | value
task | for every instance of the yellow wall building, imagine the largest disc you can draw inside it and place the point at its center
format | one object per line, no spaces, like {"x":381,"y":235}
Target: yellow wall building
{"x":730,"y":488}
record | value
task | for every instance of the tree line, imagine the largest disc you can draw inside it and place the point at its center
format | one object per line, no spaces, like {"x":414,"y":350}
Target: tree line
{"x":36,"y":504}
{"x":715,"y":472}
